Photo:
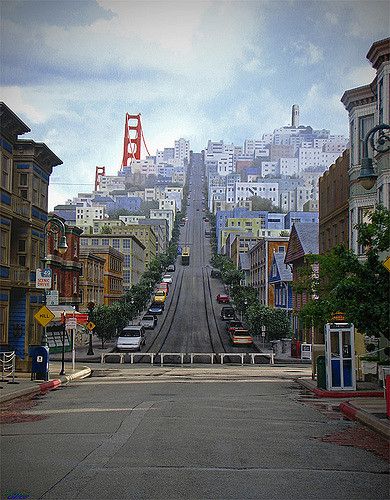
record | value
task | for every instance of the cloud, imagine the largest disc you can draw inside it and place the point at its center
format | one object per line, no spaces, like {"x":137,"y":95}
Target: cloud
{"x":307,"y":53}
{"x":332,"y":18}
{"x":359,"y":75}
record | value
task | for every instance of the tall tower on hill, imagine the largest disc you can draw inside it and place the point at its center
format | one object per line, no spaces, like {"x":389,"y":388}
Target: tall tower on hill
{"x":295,"y":116}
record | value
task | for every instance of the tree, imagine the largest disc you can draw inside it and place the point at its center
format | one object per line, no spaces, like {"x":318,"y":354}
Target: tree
{"x":244,"y":297}
{"x":263,"y":204}
{"x":276,"y":322}
{"x":345,"y":283}
{"x":106,"y":230}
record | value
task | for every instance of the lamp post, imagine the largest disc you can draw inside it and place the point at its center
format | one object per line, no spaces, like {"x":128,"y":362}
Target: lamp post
{"x":91,"y":307}
{"x":53,"y":226}
{"x":381,"y":144}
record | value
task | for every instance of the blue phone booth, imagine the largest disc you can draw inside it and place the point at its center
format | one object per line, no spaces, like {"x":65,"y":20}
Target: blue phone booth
{"x":340,"y":357}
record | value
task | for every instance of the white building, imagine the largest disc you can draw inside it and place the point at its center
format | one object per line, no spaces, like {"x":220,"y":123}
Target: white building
{"x":251,"y":144}
{"x":168,"y":215}
{"x":131,"y":219}
{"x":268,"y":190}
{"x":182,"y":149}
{"x":288,"y":166}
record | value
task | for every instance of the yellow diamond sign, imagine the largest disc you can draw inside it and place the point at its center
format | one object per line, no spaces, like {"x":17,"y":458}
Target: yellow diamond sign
{"x":90,"y":326}
{"x":44,"y":316}
{"x":387,"y":263}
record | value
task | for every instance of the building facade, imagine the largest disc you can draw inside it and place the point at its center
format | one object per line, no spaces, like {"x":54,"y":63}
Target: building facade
{"x":91,"y":279}
{"x":26,"y":167}
{"x":333,"y":205}
{"x":112,"y":273}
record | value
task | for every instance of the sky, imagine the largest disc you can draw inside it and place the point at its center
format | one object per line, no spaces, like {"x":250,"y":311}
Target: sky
{"x":197,"y":69}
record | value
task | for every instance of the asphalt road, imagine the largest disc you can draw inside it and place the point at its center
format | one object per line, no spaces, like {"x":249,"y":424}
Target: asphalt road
{"x":223,"y":432}
{"x":190,"y":322}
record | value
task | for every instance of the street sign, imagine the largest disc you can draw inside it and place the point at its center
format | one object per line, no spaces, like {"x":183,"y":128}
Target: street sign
{"x":387,"y":263}
{"x":44,"y":316}
{"x":90,"y":326}
{"x":43,"y":278}
{"x":52,"y":298}
{"x":82,"y":318}
{"x":70,"y":323}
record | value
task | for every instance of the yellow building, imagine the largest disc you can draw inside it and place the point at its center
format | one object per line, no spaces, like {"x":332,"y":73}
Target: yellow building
{"x":112,"y":273}
{"x":91,"y":279}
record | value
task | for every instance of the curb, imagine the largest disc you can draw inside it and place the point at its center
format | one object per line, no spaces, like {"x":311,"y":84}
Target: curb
{"x":323,"y":393}
{"x":47,"y":386}
{"x":353,"y":413}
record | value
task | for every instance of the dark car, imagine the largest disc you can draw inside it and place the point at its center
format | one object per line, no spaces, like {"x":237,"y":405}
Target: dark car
{"x":215,"y":273}
{"x":156,"y":309}
{"x":228,"y":313}
{"x":171,"y":268}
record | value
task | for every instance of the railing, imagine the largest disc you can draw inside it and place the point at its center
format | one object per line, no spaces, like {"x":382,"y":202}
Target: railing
{"x":19,"y":275}
{"x":189,"y":357}
{"x":21,"y":207}
{"x":7,"y":362}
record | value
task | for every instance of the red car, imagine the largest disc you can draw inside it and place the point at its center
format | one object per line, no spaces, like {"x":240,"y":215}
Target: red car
{"x":223,"y":299}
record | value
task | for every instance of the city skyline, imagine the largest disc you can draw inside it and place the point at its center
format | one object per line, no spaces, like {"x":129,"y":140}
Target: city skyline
{"x":198,"y":70}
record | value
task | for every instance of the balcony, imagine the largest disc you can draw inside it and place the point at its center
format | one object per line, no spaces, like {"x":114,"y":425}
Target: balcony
{"x":21,"y":207}
{"x":19,"y":276}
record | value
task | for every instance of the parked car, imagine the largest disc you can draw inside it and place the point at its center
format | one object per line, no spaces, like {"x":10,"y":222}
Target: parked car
{"x":132,"y":338}
{"x":149,"y":321}
{"x":163,"y":286}
{"x":171,"y":268}
{"x":167,"y":278}
{"x":156,"y":309}
{"x":223,"y":299}
{"x":234,"y":325}
{"x":228,"y":313}
{"x":159,"y":297}
{"x":206,"y":219}
{"x":241,"y":336}
{"x":215,"y":273}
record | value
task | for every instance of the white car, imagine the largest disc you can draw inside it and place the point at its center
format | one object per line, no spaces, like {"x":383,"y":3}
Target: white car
{"x":132,"y":338}
{"x":167,"y":278}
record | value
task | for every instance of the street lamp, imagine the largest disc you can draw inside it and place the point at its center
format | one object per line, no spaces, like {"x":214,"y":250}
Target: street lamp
{"x":91,"y":306}
{"x":368,"y":176}
{"x":53,"y":226}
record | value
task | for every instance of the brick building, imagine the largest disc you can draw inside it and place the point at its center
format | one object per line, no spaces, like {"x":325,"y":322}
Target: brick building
{"x":333,"y":205}
{"x":91,"y":279}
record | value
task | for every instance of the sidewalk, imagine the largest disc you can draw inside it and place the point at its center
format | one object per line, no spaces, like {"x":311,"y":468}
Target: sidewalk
{"x":23,"y":386}
{"x":368,"y":406}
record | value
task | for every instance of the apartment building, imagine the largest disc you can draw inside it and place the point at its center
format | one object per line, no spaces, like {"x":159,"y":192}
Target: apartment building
{"x":91,"y":285}
{"x":26,"y":167}
{"x":113,"y":290}
{"x":333,"y":205}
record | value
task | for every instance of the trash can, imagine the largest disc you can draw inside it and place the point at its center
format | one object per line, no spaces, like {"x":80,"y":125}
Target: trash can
{"x":321,"y":372}
{"x":40,"y":362}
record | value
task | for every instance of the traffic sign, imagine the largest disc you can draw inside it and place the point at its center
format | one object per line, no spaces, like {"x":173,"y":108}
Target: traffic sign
{"x":387,"y":263}
{"x":44,"y":316}
{"x":90,"y":326}
{"x":70,"y":323}
{"x":43,"y":278}
{"x":52,"y":298}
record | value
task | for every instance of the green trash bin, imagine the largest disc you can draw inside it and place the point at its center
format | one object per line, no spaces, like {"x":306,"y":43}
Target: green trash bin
{"x":321,"y":372}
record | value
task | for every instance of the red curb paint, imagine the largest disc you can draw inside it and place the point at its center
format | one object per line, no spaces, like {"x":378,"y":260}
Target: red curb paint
{"x":348,"y":410}
{"x":48,"y":386}
{"x":321,"y":393}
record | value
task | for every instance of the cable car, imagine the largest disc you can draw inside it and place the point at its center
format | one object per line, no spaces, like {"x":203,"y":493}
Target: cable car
{"x":185,"y":256}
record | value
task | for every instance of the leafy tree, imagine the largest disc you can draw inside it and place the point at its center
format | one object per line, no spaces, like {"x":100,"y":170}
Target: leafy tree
{"x":263,"y":204}
{"x":121,"y":211}
{"x":244,"y":297}
{"x":276,"y":322}
{"x":105,"y":321}
{"x":106,"y":230}
{"x":359,"y":288}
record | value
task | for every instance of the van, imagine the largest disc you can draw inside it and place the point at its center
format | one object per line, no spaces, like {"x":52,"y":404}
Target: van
{"x":228,"y":313}
{"x":132,"y":338}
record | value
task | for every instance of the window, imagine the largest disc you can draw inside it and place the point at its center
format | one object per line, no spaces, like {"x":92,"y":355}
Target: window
{"x":75,"y":283}
{"x":281,"y":249}
{"x":126,"y":243}
{"x":365,"y":124}
{"x":95,"y":242}
{"x":105,"y":241}
{"x":127,"y":261}
{"x":23,"y":179}
{"x":380,"y":101}
{"x":4,"y":247}
{"x":5,"y":172}
{"x":115,"y":243}
{"x":84,"y":242}
{"x":3,"y":324}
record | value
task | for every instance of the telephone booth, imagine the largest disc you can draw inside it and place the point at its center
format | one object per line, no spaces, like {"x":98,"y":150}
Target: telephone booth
{"x":340,"y":357}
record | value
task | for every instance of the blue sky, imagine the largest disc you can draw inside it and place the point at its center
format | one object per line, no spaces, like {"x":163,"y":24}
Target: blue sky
{"x":195,"y":69}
